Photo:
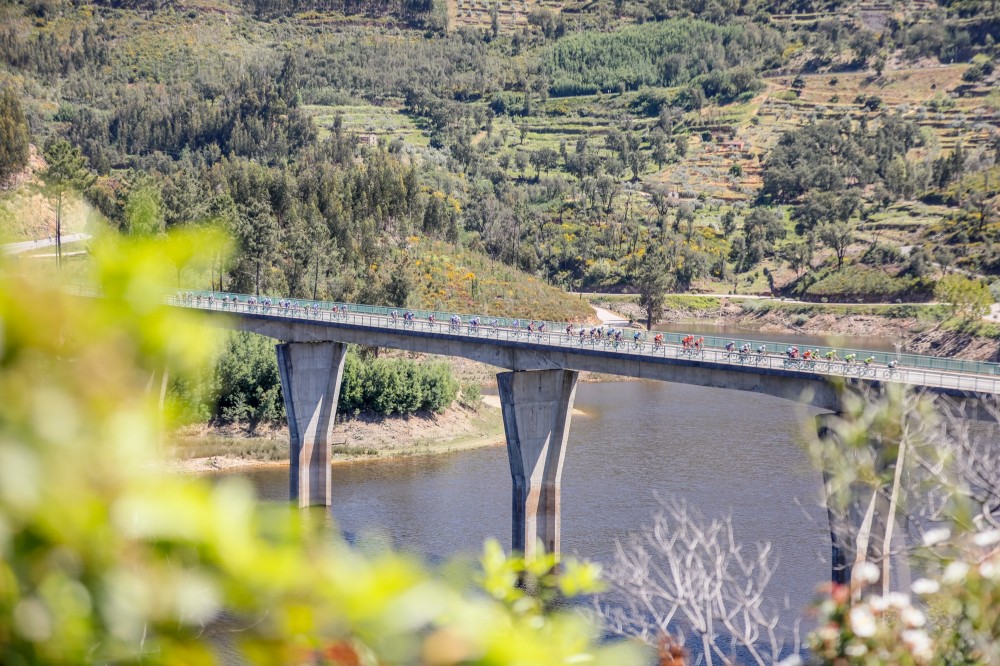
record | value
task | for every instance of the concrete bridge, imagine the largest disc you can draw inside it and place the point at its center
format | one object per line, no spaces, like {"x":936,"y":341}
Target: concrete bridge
{"x":539,"y":385}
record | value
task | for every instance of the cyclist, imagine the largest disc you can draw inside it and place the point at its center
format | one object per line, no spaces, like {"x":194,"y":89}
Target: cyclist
{"x":807,"y":354}
{"x":850,"y":358}
{"x":531,"y":327}
{"x":569,"y":330}
{"x":541,"y":327}
{"x":394,"y":316}
{"x":869,"y":360}
{"x":658,"y":340}
{"x":700,"y":343}
{"x":516,"y":325}
{"x":745,"y":349}
{"x":831,"y":355}
{"x":636,"y":337}
{"x":583,"y":331}
{"x":761,"y":350}
{"x":730,"y":346}
{"x":893,"y":364}
{"x":430,"y":319}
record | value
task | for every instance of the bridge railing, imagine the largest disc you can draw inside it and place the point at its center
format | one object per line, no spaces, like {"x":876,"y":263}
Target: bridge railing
{"x":554,"y":334}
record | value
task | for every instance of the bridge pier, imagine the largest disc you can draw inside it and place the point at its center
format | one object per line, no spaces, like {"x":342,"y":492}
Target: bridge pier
{"x":866,"y":524}
{"x":310,"y":382}
{"x":537,"y":406}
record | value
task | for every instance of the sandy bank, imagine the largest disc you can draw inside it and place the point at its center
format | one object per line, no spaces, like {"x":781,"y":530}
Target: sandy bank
{"x":204,"y":449}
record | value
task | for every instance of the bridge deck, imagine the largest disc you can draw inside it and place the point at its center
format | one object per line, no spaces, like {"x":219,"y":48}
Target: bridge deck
{"x":380,"y":329}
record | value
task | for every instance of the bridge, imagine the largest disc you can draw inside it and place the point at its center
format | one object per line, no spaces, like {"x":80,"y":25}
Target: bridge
{"x":539,"y":385}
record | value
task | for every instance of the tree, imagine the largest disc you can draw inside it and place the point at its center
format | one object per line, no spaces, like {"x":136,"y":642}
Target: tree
{"x":521,"y":161}
{"x":968,"y":298}
{"x":14,"y":136}
{"x":144,"y":211}
{"x":653,"y":281}
{"x":66,"y":172}
{"x":838,"y":236}
{"x":544,"y":159}
{"x":257,"y":232}
{"x":688,"y":574}
{"x":728,"y":223}
{"x":681,"y":145}
{"x":798,"y":255}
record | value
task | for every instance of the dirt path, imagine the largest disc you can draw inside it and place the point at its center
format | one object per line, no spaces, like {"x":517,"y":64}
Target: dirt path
{"x":610,"y":318}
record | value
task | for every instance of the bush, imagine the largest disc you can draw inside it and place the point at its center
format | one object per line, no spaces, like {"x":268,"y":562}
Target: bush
{"x":865,"y":285}
{"x":470,"y":396}
{"x":881,"y":255}
{"x":969,"y":298}
{"x":395,"y":386}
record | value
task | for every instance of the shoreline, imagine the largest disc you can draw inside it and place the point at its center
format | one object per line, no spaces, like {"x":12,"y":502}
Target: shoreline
{"x":207,"y":450}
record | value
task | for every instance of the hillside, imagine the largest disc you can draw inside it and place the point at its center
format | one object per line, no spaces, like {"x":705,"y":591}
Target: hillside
{"x":769,"y":146}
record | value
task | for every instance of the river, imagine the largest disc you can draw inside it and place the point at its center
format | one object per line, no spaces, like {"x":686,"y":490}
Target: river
{"x":864,"y":342}
{"x":722,"y":451}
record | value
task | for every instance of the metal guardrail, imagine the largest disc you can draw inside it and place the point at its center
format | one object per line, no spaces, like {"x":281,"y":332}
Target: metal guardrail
{"x":555,"y":335}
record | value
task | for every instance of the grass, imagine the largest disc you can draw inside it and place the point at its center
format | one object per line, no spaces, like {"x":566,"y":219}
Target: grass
{"x":451,"y":279}
{"x":889,"y":310}
{"x":383,"y":121}
{"x":247,"y":448}
{"x":692,"y":302}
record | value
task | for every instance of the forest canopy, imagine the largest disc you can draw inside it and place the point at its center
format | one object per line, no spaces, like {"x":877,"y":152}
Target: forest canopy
{"x":670,"y":53}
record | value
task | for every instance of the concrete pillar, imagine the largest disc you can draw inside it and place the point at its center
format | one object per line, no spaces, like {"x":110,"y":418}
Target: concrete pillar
{"x":537,"y":406}
{"x":310,"y":381}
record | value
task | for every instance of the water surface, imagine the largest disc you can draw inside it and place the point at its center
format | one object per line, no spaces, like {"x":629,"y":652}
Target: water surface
{"x":722,"y":451}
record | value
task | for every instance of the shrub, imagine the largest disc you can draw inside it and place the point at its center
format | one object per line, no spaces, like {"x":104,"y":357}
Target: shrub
{"x":470,"y":396}
{"x":865,"y":285}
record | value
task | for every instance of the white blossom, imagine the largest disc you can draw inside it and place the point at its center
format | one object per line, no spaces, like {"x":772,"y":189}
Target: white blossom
{"x":866,"y":572}
{"x":988,"y":569}
{"x":856,"y":650}
{"x":936,"y":536}
{"x":878,"y":603}
{"x":987,"y":538}
{"x":924,"y":586}
{"x":898,"y":600}
{"x":862,"y":622}
{"x":912,"y":617}
{"x":955,"y":572}
{"x":918,"y":643}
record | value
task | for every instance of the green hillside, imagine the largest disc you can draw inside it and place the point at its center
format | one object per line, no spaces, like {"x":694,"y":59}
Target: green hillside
{"x":748,"y":146}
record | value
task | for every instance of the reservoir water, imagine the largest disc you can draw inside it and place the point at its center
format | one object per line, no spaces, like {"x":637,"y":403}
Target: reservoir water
{"x":722,"y":451}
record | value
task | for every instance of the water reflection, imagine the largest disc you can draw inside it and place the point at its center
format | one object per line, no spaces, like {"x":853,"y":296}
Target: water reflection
{"x":865,"y":342}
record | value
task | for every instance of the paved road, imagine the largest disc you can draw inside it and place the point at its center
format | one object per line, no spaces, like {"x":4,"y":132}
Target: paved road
{"x":26,"y":246}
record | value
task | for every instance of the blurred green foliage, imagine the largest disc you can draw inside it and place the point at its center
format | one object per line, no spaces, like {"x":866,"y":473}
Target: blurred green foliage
{"x":104,"y":559}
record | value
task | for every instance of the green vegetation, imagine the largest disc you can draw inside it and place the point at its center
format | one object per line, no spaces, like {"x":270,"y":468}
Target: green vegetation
{"x":968,"y":298}
{"x":244,"y":386}
{"x":396,"y":386}
{"x":665,"y":54}
{"x":394,"y":154}
{"x":106,"y":559}
{"x":14,"y":135}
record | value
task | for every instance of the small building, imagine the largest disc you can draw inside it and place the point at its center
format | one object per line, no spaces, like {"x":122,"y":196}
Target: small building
{"x":367,"y":139}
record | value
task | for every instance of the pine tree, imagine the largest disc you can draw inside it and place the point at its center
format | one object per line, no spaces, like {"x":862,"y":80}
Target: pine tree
{"x":66,"y":172}
{"x":13,"y":135}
